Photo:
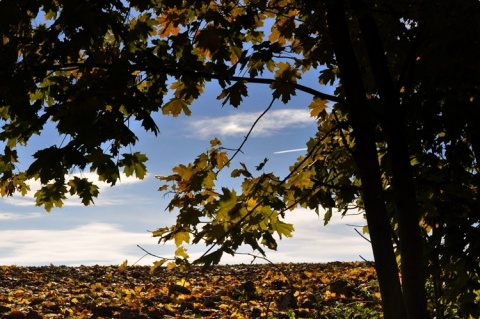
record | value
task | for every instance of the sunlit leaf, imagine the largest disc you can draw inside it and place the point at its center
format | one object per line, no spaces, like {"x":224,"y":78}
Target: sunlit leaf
{"x":175,"y":107}
{"x":317,"y":106}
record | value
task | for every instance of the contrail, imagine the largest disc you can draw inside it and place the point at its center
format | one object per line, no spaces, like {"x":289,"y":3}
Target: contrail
{"x":290,"y":151}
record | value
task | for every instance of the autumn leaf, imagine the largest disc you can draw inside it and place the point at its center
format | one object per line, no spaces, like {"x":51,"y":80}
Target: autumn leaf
{"x":176,"y":106}
{"x":181,"y":252}
{"x":210,"y":40}
{"x":243,"y":289}
{"x":285,"y":79}
{"x":221,"y":160}
{"x":181,"y":237}
{"x":317,"y":107}
{"x":169,"y":22}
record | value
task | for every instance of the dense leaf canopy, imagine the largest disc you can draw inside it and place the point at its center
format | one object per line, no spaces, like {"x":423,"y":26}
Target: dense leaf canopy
{"x":407,"y":91}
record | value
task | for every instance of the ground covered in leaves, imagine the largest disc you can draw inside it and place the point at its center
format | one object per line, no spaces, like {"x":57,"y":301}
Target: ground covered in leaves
{"x":332,"y":290}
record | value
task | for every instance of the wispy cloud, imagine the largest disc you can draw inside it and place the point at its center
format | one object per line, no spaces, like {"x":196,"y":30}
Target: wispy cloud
{"x":6,"y":216}
{"x":239,"y":124}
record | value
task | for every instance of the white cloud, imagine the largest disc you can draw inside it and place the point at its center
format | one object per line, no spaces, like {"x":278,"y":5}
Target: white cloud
{"x":95,"y":243}
{"x":29,"y":199}
{"x":106,"y":244}
{"x":240,"y":124}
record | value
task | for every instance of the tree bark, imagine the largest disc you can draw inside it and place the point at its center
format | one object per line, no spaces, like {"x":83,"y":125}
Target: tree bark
{"x":366,"y":158}
{"x":409,"y":231}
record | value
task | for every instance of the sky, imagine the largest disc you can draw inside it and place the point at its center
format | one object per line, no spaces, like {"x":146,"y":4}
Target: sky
{"x":108,"y":232}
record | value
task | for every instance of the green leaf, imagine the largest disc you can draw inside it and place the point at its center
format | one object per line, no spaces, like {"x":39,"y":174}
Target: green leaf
{"x":104,"y":166}
{"x":85,"y":189}
{"x":50,"y":195}
{"x":134,"y":164}
{"x":269,"y":241}
{"x":327,"y":216}
{"x":282,"y":228}
{"x":210,"y":259}
{"x":234,"y":94}
{"x":261,"y":165}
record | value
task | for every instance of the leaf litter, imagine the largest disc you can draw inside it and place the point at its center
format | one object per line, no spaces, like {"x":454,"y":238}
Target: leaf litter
{"x":299,"y":290}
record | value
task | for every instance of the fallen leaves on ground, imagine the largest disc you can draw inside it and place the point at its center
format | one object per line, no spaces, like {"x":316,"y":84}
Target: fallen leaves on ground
{"x":231,"y":291}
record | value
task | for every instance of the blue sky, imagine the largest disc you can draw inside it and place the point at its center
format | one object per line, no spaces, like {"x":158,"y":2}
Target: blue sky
{"x":109,"y":231}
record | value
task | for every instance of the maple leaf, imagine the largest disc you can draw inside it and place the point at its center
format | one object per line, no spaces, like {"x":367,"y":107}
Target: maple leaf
{"x":169,"y":22}
{"x":234,"y":94}
{"x":85,"y":189}
{"x":176,"y":106}
{"x":285,"y":79}
{"x":181,"y":252}
{"x":317,"y":107}
{"x":210,"y":40}
{"x":181,"y":237}
{"x":282,"y":228}
{"x":134,"y":164}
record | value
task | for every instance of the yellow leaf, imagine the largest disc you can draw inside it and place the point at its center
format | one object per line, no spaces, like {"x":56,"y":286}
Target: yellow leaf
{"x":181,"y":237}
{"x":169,"y":308}
{"x":222,"y":160}
{"x":181,"y":252}
{"x":251,"y":203}
{"x":215,"y":142}
{"x":182,"y":282}
{"x":317,"y":106}
{"x":176,"y":106}
{"x":123,"y":266}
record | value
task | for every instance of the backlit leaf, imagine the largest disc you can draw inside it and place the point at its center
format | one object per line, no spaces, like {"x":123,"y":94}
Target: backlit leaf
{"x":176,"y":106}
{"x":317,"y":107}
{"x":181,"y":237}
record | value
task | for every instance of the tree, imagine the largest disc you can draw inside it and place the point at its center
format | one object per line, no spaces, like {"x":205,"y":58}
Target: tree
{"x":392,"y":141}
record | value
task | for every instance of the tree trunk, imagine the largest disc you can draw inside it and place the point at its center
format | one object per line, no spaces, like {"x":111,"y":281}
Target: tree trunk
{"x":409,"y":231}
{"x":367,"y":161}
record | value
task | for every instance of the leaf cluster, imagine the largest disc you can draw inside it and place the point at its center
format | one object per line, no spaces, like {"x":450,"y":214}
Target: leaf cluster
{"x":233,"y":291}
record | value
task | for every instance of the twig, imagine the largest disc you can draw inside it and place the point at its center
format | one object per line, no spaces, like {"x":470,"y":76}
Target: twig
{"x":361,"y":235}
{"x":363,"y":259}
{"x":149,"y":253}
{"x":239,"y":149}
{"x":139,"y":259}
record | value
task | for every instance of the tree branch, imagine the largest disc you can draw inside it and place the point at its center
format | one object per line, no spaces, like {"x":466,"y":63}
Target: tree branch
{"x":239,"y":149}
{"x":177,"y":71}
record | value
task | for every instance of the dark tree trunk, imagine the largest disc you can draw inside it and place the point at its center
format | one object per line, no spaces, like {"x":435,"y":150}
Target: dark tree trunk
{"x":367,"y":161}
{"x":409,"y":231}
